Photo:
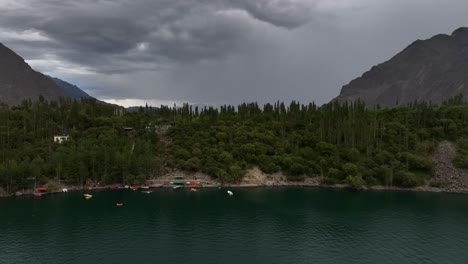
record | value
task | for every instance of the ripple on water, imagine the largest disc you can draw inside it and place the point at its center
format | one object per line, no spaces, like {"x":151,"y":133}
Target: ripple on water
{"x":290,"y":225}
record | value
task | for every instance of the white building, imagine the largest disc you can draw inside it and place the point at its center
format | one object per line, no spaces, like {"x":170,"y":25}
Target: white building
{"x":60,"y":139}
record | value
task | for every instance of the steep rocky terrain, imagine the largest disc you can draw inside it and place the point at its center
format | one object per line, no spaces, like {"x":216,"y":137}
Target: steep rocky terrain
{"x":430,"y":70}
{"x":453,"y":179}
{"x":18,"y":81}
{"x":70,"y":90}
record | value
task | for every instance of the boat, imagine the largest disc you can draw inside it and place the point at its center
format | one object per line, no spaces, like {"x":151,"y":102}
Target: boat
{"x":144,"y":187}
{"x":147,"y":192}
{"x":230,"y":193}
{"x":176,"y":187}
{"x":38,"y":195}
{"x":87,"y":196}
{"x":119,"y":204}
{"x":42,"y":189}
{"x":193,"y":190}
{"x":179,"y":182}
{"x":64,"y":190}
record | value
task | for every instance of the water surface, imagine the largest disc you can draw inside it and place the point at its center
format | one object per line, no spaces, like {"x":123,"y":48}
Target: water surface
{"x":265,"y":225}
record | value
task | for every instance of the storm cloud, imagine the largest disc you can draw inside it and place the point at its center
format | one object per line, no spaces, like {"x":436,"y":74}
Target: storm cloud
{"x":218,"y":51}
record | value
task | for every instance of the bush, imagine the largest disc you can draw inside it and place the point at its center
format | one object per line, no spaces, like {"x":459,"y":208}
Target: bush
{"x":461,"y":161}
{"x":408,"y":179}
{"x":357,"y":182}
{"x":297,"y":169}
{"x":194,"y":164}
{"x":236,"y":173}
{"x":334,"y":174}
{"x":416,"y":162}
{"x":182,"y":154}
{"x":350,"y":169}
{"x":330,"y":181}
{"x":426,"y":147}
{"x":437,"y":184}
{"x":269,"y":167}
{"x":53,"y":187}
{"x":295,"y":178}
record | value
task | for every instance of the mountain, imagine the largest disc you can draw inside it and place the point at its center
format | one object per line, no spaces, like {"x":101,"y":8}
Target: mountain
{"x":432,"y":70}
{"x":18,"y":81}
{"x":69,"y":89}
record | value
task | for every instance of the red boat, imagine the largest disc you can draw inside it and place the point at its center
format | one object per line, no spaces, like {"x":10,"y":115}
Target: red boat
{"x":37,"y":195}
{"x":42,"y":189}
{"x":119,"y":204}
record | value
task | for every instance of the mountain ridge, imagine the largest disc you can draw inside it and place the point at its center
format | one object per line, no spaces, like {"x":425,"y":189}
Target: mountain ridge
{"x":431,"y":70}
{"x":18,"y":81}
{"x":70,"y":89}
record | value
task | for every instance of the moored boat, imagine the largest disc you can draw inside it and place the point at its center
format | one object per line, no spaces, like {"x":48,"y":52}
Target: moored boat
{"x":178,"y":182}
{"x":87,"y":196}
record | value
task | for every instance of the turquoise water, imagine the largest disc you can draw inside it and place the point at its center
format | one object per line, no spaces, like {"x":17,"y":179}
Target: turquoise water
{"x":264,"y":225}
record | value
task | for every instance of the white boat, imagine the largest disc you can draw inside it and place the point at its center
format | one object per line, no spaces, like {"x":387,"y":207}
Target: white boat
{"x":176,"y":187}
{"x":144,"y":187}
{"x":230,"y":193}
{"x":87,"y":196}
{"x":64,"y":190}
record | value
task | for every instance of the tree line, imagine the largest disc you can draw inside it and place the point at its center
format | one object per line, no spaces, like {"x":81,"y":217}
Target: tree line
{"x":339,"y":142}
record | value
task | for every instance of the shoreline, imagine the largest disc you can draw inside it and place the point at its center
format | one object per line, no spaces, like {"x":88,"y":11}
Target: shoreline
{"x":424,"y":189}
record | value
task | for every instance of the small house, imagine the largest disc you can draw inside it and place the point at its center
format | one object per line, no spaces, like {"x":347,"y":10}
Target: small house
{"x":60,"y":139}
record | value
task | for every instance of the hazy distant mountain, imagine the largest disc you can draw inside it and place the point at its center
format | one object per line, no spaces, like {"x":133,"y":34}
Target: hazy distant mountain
{"x":18,"y":81}
{"x":428,"y":70}
{"x":70,"y":90}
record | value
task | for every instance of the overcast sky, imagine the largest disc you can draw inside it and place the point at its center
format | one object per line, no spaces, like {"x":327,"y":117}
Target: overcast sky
{"x":218,"y":51}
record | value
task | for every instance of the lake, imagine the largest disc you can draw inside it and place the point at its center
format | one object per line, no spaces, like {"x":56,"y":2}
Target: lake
{"x":260,"y":225}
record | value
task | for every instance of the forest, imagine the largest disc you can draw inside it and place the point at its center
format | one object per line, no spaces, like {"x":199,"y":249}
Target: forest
{"x":338,"y":142}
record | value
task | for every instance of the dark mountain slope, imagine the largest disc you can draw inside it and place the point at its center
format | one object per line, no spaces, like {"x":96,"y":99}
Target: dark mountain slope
{"x":430,"y":70}
{"x":70,"y":90}
{"x":18,"y":81}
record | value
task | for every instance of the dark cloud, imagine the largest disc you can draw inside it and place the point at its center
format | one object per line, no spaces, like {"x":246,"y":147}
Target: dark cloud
{"x":177,"y":30}
{"x":218,"y":51}
{"x":281,"y":13}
